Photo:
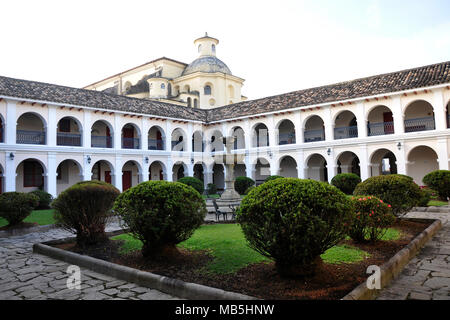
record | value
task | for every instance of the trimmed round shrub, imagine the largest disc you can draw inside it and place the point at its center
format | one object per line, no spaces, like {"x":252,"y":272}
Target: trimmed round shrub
{"x":161,"y":214}
{"x":212,"y":188}
{"x":425,"y":197}
{"x":270,"y":178}
{"x":439,"y":180}
{"x":346,"y":182}
{"x":16,"y":206}
{"x":45,"y":199}
{"x":241,"y":184}
{"x":402,"y":175}
{"x":372,"y":218}
{"x":400,"y":192}
{"x":249,"y":189}
{"x":84,"y":209}
{"x":293,"y":221}
{"x":195,"y":183}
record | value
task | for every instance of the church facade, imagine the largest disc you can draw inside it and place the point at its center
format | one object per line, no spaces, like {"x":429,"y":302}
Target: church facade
{"x":166,"y":119}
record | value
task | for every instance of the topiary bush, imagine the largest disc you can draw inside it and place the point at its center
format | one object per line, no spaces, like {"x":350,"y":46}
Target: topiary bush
{"x":16,"y":206}
{"x":195,"y":183}
{"x":84,"y":209}
{"x":400,"y":192}
{"x":45,"y":199}
{"x":249,"y":189}
{"x":372,"y":218}
{"x":212,"y":188}
{"x":439,"y":180}
{"x":161,"y":214}
{"x":241,"y":184}
{"x":346,"y":182}
{"x":425,"y":197}
{"x":293,"y":221}
{"x":402,"y":175}
{"x":270,"y":178}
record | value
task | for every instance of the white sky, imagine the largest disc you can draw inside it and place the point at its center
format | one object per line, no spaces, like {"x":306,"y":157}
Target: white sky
{"x":277,"y":46}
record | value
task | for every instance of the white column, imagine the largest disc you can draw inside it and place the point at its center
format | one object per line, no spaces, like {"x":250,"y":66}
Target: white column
{"x":329,"y":125}
{"x":274,"y":167}
{"x":248,"y":166}
{"x":331,"y":165}
{"x":51,"y":174}
{"x":442,"y":154}
{"x":144,"y":174}
{"x":144,"y":134}
{"x":361,"y":120}
{"x":397,"y":114}
{"x":10,"y":172}
{"x":364,"y":162}
{"x":11,"y":124}
{"x":208,"y":177}
{"x":87,"y":129}
{"x":299,"y":158}
{"x":189,"y":139}
{"x":440,"y":115}
{"x":86,"y":173}
{"x":51,"y":126}
{"x":247,"y":134}
{"x":298,"y":128}
{"x":169,"y":137}
{"x":401,"y":160}
{"x":118,"y":136}
{"x":169,"y":173}
{"x":190,"y":169}
{"x":273,"y":134}
{"x":117,"y":178}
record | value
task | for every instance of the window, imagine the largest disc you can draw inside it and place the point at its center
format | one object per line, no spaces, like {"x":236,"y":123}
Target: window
{"x":207,"y":90}
{"x":64,"y":125}
{"x":188,"y":102}
{"x":32,"y":174}
{"x":199,"y":47}
{"x":163,"y":86}
{"x":213,"y":48}
{"x":195,"y":103}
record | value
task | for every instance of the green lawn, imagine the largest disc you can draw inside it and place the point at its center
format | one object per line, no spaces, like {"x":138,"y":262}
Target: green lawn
{"x":41,"y":217}
{"x":227,"y":245}
{"x":437,"y":203}
{"x":211,"y":196}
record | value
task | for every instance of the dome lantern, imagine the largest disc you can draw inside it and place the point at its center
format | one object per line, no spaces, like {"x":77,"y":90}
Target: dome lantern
{"x":206,"y":45}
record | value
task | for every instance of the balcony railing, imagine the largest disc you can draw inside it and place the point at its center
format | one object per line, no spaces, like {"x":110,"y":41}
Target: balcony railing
{"x":101,"y":142}
{"x":1,"y":135}
{"x":178,"y":144}
{"x":314,"y":135}
{"x":30,"y":137}
{"x":419,"y":124}
{"x":155,"y":144}
{"x":68,"y":139}
{"x":345,"y":132}
{"x":130,"y":143}
{"x":380,"y":128}
{"x":286,"y":138}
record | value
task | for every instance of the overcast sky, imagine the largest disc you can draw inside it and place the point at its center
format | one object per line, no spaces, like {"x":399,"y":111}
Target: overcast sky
{"x":276,"y":46}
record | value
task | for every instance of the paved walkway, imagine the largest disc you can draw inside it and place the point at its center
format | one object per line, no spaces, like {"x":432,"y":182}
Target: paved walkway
{"x":24,"y":275}
{"x":427,"y":276}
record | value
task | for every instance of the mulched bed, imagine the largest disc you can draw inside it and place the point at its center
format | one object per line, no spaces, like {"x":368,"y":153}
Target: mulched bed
{"x":22,"y":225}
{"x":331,"y":282}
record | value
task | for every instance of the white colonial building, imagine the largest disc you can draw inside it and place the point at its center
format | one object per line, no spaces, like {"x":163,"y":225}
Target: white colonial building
{"x":166,"y":119}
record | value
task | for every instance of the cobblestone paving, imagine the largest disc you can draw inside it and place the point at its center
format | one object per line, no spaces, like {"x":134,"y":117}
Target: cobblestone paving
{"x":24,"y":275}
{"x":427,"y":276}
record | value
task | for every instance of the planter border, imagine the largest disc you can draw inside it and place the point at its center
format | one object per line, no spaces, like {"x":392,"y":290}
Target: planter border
{"x":394,"y":266}
{"x":181,"y":289}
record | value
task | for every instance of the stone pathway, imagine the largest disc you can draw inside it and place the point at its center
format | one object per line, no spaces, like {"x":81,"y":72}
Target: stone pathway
{"x":427,"y":276}
{"x":24,"y":275}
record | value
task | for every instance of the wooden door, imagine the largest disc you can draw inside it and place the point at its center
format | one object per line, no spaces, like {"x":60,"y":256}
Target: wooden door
{"x":128,"y":135}
{"x":108,"y":177}
{"x":388,"y":122}
{"x":126,"y":180}
{"x":108,"y":138}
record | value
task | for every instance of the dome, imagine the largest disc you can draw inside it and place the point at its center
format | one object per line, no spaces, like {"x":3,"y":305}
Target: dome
{"x":209,"y":64}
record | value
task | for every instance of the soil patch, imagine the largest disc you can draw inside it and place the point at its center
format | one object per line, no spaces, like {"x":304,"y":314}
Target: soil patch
{"x":331,"y":281}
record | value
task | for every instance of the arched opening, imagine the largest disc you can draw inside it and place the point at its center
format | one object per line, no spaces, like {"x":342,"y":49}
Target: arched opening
{"x":219,"y":176}
{"x":316,"y":168}
{"x":101,"y":135}
{"x":126,"y":86}
{"x":102,"y":170}
{"x":314,"y":129}
{"x":178,"y":140}
{"x":260,"y":136}
{"x":156,"y":138}
{"x":286,"y":132}
{"x":288,"y":167}
{"x":383,"y":161}
{"x":30,"y":129}
{"x":176,"y":91}
{"x":262,"y":170}
{"x":345,"y":125}
{"x":130,"y":175}
{"x":419,"y":116}
{"x":239,"y":138}
{"x":380,"y":121}
{"x":156,"y":171}
{"x":348,"y":162}
{"x":30,"y":176}
{"x":447,"y":112}
{"x":239,"y":170}
{"x":2,"y":181}
{"x":421,"y":160}
{"x":130,"y":137}
{"x":68,"y":132}
{"x":195,"y":103}
{"x":186,"y":89}
{"x":179,"y":171}
{"x":207,"y":91}
{"x":68,"y":173}
{"x":198,"y":144}
{"x":230,"y":91}
{"x":199,"y":172}
{"x":217,"y":141}
{"x":2,"y":130}
{"x":189,"y":102}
